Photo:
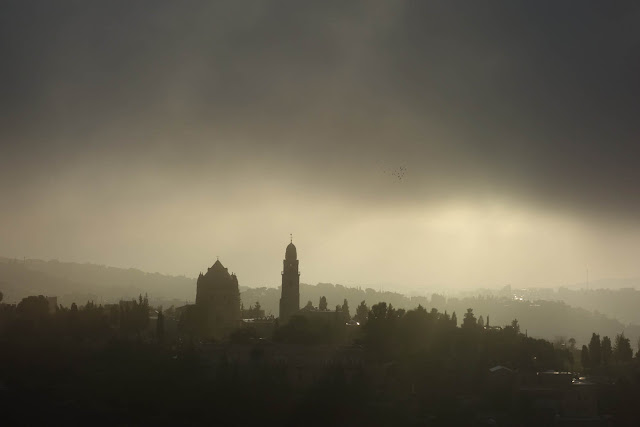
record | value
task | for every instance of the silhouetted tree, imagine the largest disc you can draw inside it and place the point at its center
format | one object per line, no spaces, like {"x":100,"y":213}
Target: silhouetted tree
{"x":481,"y":322}
{"x":309,"y":305}
{"x":418,"y":351}
{"x":594,"y":350}
{"x":345,"y":310}
{"x":488,"y":326}
{"x":584,"y":357}
{"x":605,"y":350}
{"x":572,"y":343}
{"x":469,"y":320}
{"x":380,"y":329}
{"x":1,"y":296}
{"x":134,"y":318}
{"x":515,"y":325}
{"x":160,"y":326}
{"x":362,"y":312}
{"x":454,"y":319}
{"x":33,"y":308}
{"x":322,"y":306}
{"x":622,"y":349}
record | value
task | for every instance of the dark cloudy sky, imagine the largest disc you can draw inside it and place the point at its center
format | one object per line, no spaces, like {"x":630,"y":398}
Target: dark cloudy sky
{"x":410,"y":145}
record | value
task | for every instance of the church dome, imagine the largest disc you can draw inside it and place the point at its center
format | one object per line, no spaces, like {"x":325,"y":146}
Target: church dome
{"x":291,"y":253}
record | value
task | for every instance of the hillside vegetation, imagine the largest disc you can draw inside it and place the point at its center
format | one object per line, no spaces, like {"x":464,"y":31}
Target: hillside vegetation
{"x":79,"y":283}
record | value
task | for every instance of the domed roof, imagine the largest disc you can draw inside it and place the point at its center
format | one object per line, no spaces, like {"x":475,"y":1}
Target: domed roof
{"x":291,"y":252}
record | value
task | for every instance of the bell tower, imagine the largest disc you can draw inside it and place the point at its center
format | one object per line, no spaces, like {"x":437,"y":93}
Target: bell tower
{"x":290,"y":298}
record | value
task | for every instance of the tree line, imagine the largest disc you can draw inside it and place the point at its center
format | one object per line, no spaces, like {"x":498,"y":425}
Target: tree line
{"x":602,"y":353}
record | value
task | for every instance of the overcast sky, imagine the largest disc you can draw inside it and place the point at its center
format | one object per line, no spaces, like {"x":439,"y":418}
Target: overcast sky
{"x":410,"y":145}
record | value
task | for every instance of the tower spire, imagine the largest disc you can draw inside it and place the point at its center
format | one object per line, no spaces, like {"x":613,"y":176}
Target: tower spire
{"x":291,"y":237}
{"x":290,"y":298}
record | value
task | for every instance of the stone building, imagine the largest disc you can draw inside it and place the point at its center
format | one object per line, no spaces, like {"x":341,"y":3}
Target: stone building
{"x":218,"y":301}
{"x":290,"y":299}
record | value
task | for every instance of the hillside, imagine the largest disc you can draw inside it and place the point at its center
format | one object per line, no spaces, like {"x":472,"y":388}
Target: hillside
{"x":74,"y":282}
{"x":545,"y":319}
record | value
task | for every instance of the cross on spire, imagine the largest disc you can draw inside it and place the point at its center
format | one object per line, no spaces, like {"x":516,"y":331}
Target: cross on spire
{"x":291,"y":236}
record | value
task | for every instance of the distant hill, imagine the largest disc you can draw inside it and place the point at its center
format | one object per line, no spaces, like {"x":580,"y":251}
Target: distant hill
{"x":608,"y":283}
{"x":336,"y":294}
{"x":75,"y":282}
{"x":622,"y":303}
{"x":544,"y":319}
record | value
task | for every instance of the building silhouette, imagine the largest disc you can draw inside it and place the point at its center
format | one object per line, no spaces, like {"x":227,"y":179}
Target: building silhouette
{"x":290,"y":299}
{"x":218,"y":301}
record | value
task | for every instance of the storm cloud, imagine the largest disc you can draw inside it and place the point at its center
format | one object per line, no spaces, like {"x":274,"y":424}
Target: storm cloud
{"x":160,"y":134}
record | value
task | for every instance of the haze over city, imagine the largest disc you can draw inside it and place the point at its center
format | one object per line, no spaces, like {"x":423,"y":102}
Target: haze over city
{"x":345,"y":213}
{"x":408,"y":145}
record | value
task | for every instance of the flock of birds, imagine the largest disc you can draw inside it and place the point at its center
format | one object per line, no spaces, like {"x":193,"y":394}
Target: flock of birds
{"x":397,"y":173}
